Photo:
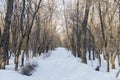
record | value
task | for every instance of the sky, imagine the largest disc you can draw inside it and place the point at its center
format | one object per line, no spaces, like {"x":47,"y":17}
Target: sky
{"x":1,"y":4}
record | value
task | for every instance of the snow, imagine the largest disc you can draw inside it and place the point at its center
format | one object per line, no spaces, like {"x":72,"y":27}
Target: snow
{"x":59,"y":64}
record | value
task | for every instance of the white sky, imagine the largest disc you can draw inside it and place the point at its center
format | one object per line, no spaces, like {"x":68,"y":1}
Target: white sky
{"x":0,"y":3}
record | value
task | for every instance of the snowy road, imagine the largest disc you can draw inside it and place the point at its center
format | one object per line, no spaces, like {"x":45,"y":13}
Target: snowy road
{"x":59,"y":65}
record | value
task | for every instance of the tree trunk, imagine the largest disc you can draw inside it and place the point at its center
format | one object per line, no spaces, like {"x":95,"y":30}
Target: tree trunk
{"x":2,"y":66}
{"x":22,"y":64}
{"x":89,"y":51}
{"x":7,"y":61}
{"x":84,"y":59}
{"x":6,"y":33}
{"x":93,"y":52}
{"x":118,"y":54}
{"x":84,"y":26}
{"x":119,"y":59}
{"x":99,"y":58}
{"x":108,"y":64}
{"x":16,"y":62}
{"x":107,"y":57}
{"x":112,"y":62}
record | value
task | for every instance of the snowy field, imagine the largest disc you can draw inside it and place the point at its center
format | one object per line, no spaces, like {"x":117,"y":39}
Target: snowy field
{"x":60,"y":64}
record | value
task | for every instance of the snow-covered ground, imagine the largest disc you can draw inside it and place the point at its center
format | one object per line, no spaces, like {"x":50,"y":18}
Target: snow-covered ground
{"x":59,"y":64}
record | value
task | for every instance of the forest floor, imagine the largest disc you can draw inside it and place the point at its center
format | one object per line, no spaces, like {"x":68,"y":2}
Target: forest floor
{"x":60,"y":64}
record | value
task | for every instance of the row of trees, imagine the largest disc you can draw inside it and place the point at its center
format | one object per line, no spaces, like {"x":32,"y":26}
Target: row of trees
{"x":93,"y":26}
{"x":27,"y":25}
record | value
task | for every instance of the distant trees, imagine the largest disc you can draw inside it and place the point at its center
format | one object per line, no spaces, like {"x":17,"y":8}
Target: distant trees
{"x":107,"y":21}
{"x":77,"y":23}
{"x":30,"y":27}
{"x":93,"y":26}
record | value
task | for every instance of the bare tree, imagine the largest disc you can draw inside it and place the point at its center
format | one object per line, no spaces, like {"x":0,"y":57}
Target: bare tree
{"x":6,"y":34}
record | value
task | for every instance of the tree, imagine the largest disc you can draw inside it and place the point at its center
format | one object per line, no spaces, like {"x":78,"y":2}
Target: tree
{"x":6,"y":34}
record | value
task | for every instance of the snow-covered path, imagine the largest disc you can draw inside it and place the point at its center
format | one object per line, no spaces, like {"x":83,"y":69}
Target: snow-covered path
{"x":59,"y":65}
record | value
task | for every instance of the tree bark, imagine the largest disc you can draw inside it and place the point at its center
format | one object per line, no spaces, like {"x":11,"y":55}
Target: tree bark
{"x":84,"y":26}
{"x":6,"y":33}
